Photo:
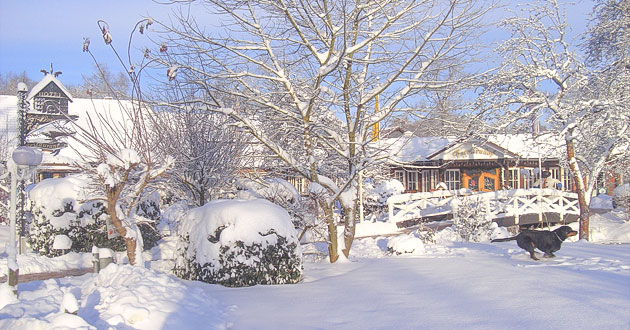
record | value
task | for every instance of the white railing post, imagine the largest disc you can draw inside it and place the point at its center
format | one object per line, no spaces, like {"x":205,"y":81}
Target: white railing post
{"x":540,"y":206}
{"x":561,"y":204}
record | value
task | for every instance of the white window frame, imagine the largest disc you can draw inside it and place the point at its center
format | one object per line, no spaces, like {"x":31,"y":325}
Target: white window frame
{"x":400,"y":176}
{"x":514,"y":182}
{"x":429,"y":180}
{"x":412,"y":180}
{"x":567,"y":179}
{"x":453,"y":179}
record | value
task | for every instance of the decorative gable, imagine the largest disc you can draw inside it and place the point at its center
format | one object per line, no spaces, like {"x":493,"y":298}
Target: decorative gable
{"x":50,"y":96}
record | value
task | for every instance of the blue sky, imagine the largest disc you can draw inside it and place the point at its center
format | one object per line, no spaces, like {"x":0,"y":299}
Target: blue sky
{"x":34,"y":33}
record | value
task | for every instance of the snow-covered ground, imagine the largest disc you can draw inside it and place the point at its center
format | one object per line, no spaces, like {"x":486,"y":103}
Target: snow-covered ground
{"x":447,"y":286}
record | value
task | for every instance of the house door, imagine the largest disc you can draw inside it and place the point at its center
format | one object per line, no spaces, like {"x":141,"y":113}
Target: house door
{"x":489,"y":181}
{"x":479,"y":180}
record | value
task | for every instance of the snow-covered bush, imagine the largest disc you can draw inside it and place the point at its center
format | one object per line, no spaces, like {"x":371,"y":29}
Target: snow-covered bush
{"x":376,"y":195}
{"x":171,"y":218}
{"x":239,"y":243}
{"x":470,"y":220}
{"x":57,"y":210}
{"x":405,"y":244}
{"x":53,"y":204}
{"x":427,"y":235}
{"x":90,"y":227}
{"x":284,"y":194}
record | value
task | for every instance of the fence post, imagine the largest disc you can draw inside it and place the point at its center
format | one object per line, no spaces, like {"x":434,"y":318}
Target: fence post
{"x":96,"y":259}
{"x":561,"y":203}
{"x":517,"y":214}
{"x":390,"y":206}
{"x":540,"y":206}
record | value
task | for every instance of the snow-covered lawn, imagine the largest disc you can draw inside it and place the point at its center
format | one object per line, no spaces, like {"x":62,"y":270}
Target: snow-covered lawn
{"x":452,"y":286}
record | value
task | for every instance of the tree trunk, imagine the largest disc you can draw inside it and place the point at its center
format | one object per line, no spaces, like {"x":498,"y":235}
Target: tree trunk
{"x":581,"y":189}
{"x":584,"y":215}
{"x":350,"y":229}
{"x":332,"y":232}
{"x":130,"y":243}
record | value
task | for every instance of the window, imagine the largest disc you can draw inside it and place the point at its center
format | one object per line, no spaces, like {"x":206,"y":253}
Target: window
{"x":530,"y":178}
{"x":300,"y":183}
{"x":453,"y":179}
{"x":412,"y":181}
{"x":400,"y":176}
{"x":567,"y":180}
{"x":429,"y":180}
{"x":514,"y":179}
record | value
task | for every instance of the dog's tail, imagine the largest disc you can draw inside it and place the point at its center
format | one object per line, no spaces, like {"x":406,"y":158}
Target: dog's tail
{"x":503,"y":239}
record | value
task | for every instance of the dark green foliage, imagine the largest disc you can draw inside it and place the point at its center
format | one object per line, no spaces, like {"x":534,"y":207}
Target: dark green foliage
{"x":89,"y":229}
{"x":149,"y":209}
{"x":41,"y":233}
{"x":243,"y":265}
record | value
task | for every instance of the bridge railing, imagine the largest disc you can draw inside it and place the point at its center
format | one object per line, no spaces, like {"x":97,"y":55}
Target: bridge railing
{"x":497,"y":204}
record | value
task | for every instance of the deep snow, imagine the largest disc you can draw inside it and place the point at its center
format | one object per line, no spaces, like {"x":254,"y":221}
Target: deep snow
{"x":448,"y":286}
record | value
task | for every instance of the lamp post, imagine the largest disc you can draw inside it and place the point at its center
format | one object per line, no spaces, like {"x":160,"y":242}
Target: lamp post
{"x":23,"y":160}
{"x":22,"y":109}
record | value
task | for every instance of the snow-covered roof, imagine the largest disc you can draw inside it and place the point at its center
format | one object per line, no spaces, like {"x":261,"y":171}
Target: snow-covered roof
{"x":409,"y":149}
{"x":112,"y":113}
{"x":44,"y":82}
{"x":104,"y":113}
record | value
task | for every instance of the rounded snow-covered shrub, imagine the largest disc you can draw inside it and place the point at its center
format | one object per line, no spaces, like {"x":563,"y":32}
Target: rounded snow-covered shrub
{"x":405,"y":244}
{"x":53,"y":204}
{"x":239,"y":243}
{"x":57,"y":210}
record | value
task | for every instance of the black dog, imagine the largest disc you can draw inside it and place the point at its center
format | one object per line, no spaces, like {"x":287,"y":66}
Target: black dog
{"x":545,"y":241}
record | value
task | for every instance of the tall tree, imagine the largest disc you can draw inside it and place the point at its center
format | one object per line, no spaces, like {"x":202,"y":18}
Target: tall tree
{"x":316,"y":68}
{"x":543,"y":78}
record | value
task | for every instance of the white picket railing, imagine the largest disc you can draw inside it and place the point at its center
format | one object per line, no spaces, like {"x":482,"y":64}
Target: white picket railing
{"x":497,"y":204}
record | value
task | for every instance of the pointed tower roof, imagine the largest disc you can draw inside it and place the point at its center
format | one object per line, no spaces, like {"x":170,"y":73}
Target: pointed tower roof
{"x":48,"y":79}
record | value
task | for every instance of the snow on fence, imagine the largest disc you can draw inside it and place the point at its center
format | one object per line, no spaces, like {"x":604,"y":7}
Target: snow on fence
{"x":497,"y":204}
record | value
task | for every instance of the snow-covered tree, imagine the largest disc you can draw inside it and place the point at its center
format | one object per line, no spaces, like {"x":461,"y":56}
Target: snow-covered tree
{"x":117,"y":154}
{"x":543,"y":78}
{"x":208,"y":149}
{"x":315,"y":70}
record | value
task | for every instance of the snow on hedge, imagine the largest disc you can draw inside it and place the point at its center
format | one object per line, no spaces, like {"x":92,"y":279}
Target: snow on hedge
{"x":228,"y":241}
{"x":53,"y":194}
{"x":62,"y":206}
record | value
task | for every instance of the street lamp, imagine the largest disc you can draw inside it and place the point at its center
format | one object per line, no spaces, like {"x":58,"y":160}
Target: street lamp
{"x":24,"y":160}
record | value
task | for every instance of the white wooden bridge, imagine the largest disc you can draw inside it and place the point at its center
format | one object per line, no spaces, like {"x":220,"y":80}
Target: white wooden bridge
{"x":506,"y":207}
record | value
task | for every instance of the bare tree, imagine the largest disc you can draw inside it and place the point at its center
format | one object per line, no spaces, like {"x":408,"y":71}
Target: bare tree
{"x":117,"y":153}
{"x":10,"y":80}
{"x":298,"y":62}
{"x":207,"y":148}
{"x":103,"y":83}
{"x":543,"y":78}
